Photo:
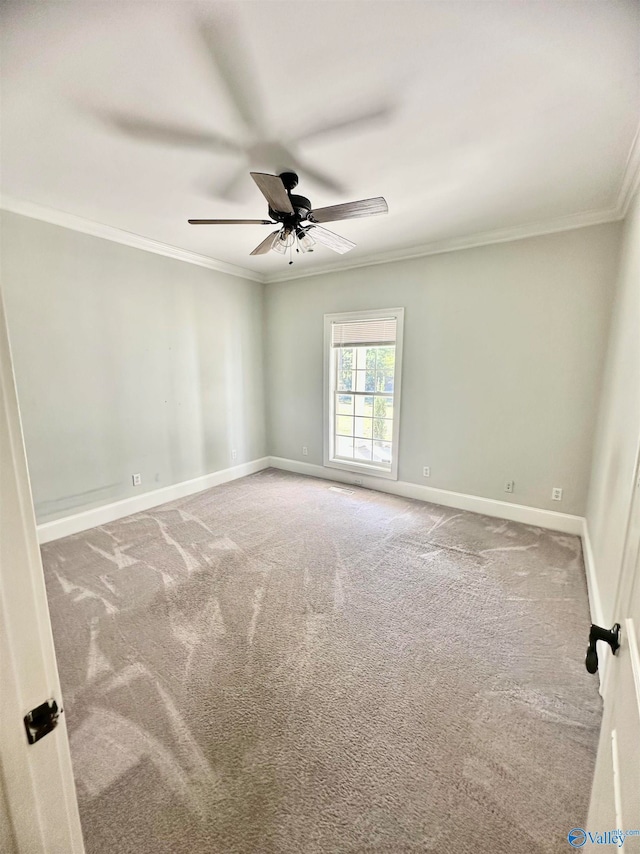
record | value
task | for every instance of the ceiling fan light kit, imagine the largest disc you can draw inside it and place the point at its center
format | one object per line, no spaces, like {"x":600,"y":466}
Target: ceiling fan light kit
{"x":305,"y":240}
{"x":291,"y":211}
{"x":288,"y":239}
{"x":283,"y":241}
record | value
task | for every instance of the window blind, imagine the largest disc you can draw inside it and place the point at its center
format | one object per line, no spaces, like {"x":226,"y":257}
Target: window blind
{"x":359,"y":333}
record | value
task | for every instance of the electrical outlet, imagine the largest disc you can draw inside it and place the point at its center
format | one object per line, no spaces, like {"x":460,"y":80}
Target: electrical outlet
{"x":426,"y":471}
{"x":556,"y":494}
{"x":234,"y":454}
{"x":305,"y":451}
{"x":137,"y":479}
{"x":508,"y":487}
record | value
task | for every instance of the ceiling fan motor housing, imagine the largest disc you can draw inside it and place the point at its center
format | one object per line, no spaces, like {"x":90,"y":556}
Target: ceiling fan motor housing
{"x":289,"y":179}
{"x":301,"y":207}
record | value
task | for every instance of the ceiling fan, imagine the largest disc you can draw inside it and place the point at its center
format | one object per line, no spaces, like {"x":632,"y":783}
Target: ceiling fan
{"x":291,"y":211}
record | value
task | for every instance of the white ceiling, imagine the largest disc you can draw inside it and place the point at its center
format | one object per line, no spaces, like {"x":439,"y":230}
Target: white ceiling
{"x":495,"y":115}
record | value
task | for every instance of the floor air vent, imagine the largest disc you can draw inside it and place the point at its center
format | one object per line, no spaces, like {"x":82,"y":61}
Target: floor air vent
{"x":341,"y":489}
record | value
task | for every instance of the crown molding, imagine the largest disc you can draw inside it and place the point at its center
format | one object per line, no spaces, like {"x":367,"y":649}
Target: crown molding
{"x":628,"y":187}
{"x":454,"y":244}
{"x":126,"y":238}
{"x":631,"y":176}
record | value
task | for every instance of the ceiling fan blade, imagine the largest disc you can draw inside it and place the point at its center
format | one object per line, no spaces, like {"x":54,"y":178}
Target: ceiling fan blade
{"x":346,"y":124}
{"x":230,"y":222}
{"x":349,"y":210}
{"x":328,"y":238}
{"x":171,"y":134}
{"x":274,"y":191}
{"x":265,"y":246}
{"x":236,"y":188}
{"x":231,"y":59}
{"x":320,"y":178}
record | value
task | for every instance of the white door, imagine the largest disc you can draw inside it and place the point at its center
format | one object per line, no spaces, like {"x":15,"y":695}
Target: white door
{"x":615,"y":797}
{"x":38,"y":807}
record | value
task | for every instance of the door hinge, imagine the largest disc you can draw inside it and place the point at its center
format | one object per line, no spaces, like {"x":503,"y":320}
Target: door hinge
{"x":41,"y":720}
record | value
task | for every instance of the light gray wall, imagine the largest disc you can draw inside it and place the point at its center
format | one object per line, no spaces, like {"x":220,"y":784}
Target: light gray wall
{"x":503,"y":354}
{"x":127,"y":362}
{"x":618,"y":434}
{"x":131,"y":362}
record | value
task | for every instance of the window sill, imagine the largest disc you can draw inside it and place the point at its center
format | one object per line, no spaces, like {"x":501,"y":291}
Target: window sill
{"x":363,"y":468}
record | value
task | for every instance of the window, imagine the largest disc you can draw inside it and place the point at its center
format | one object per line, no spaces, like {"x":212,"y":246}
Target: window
{"x":363,"y":352}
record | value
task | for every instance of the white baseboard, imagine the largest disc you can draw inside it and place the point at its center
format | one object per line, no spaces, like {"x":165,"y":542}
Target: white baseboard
{"x":562,"y":522}
{"x":68,"y":525}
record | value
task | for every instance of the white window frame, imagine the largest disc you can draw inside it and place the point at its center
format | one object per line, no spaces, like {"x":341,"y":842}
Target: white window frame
{"x":364,"y":468}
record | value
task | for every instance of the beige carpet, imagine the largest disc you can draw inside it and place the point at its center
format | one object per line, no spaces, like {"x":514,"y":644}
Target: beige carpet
{"x":274,"y":666}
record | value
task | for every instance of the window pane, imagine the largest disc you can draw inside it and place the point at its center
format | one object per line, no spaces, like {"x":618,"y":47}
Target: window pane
{"x":344,"y":425}
{"x":382,"y":452}
{"x":361,"y":353}
{"x":371,"y":358}
{"x":345,"y":380}
{"x":364,"y":405}
{"x":361,"y":380}
{"x":384,"y":382}
{"x":364,"y":428}
{"x":362,"y":449}
{"x":386,"y":359}
{"x":345,"y":359}
{"x":383,"y":429}
{"x":344,"y":447}
{"x":382,"y":407}
{"x":344,"y":404}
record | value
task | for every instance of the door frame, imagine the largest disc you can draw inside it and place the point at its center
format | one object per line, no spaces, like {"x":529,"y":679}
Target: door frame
{"x":39,"y":790}
{"x":625,"y":577}
{"x":628,"y":577}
